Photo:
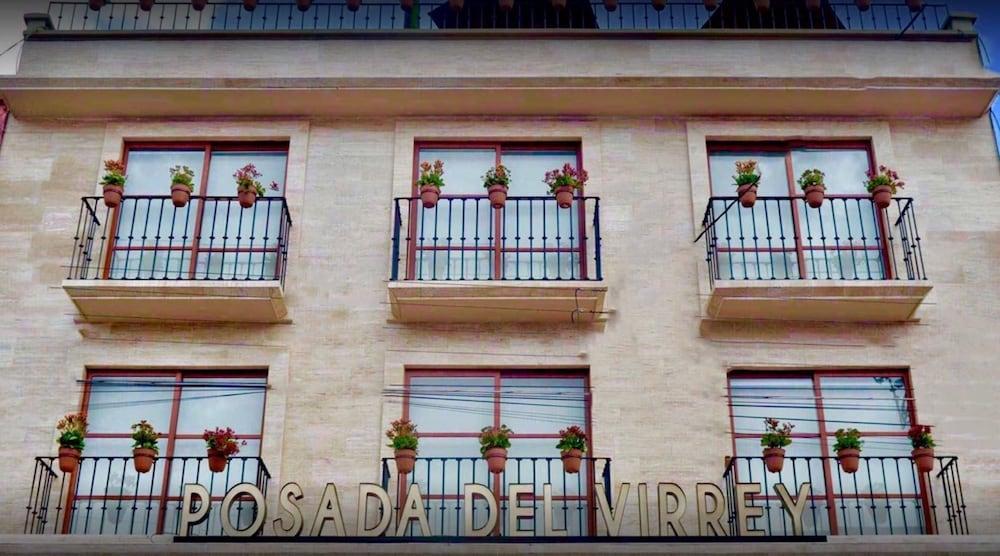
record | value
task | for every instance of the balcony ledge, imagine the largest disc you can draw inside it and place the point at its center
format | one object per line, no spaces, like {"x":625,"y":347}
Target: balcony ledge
{"x":498,"y":301}
{"x":817,"y":300}
{"x":178,"y":300}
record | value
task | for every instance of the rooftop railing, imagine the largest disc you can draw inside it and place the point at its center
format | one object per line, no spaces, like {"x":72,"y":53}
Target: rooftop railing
{"x":894,"y":16}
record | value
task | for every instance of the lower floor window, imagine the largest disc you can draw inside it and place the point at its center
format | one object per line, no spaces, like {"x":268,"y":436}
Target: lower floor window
{"x":885,"y":495}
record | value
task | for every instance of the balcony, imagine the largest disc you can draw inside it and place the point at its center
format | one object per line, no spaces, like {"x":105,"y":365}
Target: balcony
{"x":464,"y":261}
{"x":846,"y":261}
{"x":443,"y":479}
{"x":210,"y":261}
{"x":886,"y":496}
{"x":106,"y":496}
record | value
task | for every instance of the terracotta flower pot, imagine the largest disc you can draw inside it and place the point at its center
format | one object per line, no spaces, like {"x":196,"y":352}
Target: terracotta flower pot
{"x":747,"y":194}
{"x":815,"y":195}
{"x":774,"y":459}
{"x":429,"y":196}
{"x":571,"y":460}
{"x":249,"y":5}
{"x":498,"y":195}
{"x":496,"y":459}
{"x":217,"y":461}
{"x":354,"y":5}
{"x":180,"y":194}
{"x":247,"y":197}
{"x":814,"y":4}
{"x":456,"y":5}
{"x":882,"y":196}
{"x":659,"y":5}
{"x":863,"y":5}
{"x":762,"y":5}
{"x":303,"y":5}
{"x":146,"y":5}
{"x":611,"y":5}
{"x":711,"y":4}
{"x":505,"y":5}
{"x":69,"y":459}
{"x":924,"y":459}
{"x":199,"y":5}
{"x":558,"y":4}
{"x":143,"y":458}
{"x":915,"y":5}
{"x":406,"y":5}
{"x":564,"y":197}
{"x":113,"y":195}
{"x":96,"y":4}
{"x":406,"y":459}
{"x":849,"y":459}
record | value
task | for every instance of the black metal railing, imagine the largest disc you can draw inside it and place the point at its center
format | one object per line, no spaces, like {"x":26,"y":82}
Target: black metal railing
{"x":442,"y":480}
{"x":106,"y":496}
{"x":464,"y":238}
{"x":211,"y":238}
{"x":782,"y":238}
{"x":283,"y":15}
{"x":885,"y":496}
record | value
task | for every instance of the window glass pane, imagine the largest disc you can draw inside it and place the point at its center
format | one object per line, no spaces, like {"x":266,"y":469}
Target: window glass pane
{"x":528,"y":168}
{"x":785,"y":399}
{"x":773,"y":175}
{"x":221,"y":402}
{"x":463,"y":168}
{"x":844,"y":168}
{"x":116,"y":403}
{"x":876,"y":403}
{"x":224,"y":164}
{"x":149,"y":170}
{"x":451,"y":404}
{"x":542,"y":405}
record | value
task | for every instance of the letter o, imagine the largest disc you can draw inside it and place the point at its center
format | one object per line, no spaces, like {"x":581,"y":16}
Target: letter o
{"x":228,"y":528}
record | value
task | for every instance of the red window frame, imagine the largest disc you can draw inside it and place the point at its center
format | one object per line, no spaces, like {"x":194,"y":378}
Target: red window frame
{"x":499,"y":147}
{"x":825,"y":434}
{"x":496,"y":483}
{"x":794,"y":191}
{"x":4,"y":113}
{"x":209,"y":147}
{"x":170,"y":434}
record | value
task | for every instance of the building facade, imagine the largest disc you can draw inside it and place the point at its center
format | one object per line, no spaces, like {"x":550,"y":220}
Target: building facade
{"x":655,"y":310}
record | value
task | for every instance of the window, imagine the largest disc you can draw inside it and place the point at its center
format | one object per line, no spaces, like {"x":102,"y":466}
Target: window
{"x":464,"y":239}
{"x":781,"y":238}
{"x":451,"y":407}
{"x":210,"y":238}
{"x":885,"y":494}
{"x":109,"y":496}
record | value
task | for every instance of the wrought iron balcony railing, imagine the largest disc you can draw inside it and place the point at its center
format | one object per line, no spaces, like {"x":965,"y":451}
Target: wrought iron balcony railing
{"x":211,"y":238}
{"x":782,"y":238}
{"x":106,"y":496}
{"x":885,"y":496}
{"x":442,"y":480}
{"x":464,"y":238}
{"x":893,"y":16}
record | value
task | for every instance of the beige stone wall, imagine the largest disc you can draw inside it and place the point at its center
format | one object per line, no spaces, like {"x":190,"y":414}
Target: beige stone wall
{"x":658,"y":370}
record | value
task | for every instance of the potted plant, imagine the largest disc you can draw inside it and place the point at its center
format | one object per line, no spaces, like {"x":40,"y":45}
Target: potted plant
{"x":402,"y":436}
{"x":563,"y":182}
{"x":572,"y":445}
{"x":923,"y":447}
{"x":146,"y":5}
{"x":72,"y":430}
{"x":811,"y":182}
{"x":497,"y":182}
{"x":659,"y":5}
{"x":181,"y":185}
{"x":113,"y":182}
{"x":863,"y":5}
{"x":762,"y":5}
{"x":430,"y":182}
{"x":747,"y":179}
{"x":776,"y":436}
{"x":144,"y":446}
{"x":221,"y":445}
{"x":848,"y":448}
{"x":353,"y":5}
{"x":199,"y":5}
{"x":883,"y":185}
{"x":611,"y":5}
{"x":915,"y":5}
{"x":248,"y":188}
{"x":493,"y":444}
{"x":711,"y":5}
{"x":303,"y":5}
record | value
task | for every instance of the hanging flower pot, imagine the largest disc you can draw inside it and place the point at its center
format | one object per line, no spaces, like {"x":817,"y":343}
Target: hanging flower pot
{"x":498,"y":195}
{"x":247,"y":197}
{"x":493,"y":444}
{"x":572,"y":444}
{"x":402,"y":435}
{"x":923,"y":447}
{"x":456,"y":5}
{"x":429,"y":195}
{"x":406,"y":5}
{"x":146,"y":5}
{"x":496,"y":459}
{"x":711,"y":4}
{"x":659,"y":5}
{"x":303,"y":5}
{"x":849,"y":459}
{"x":923,"y":458}
{"x":815,"y":195}
{"x":69,"y":459}
{"x":143,"y":458}
{"x":774,"y":459}
{"x":563,"y":182}
{"x":558,"y":4}
{"x":564,"y":196}
{"x":762,"y":5}
{"x":747,"y":194}
{"x":883,"y":185}
{"x":572,"y":459}
{"x":811,"y":182}
{"x":505,"y":5}
{"x":776,"y":436}
{"x":353,"y":5}
{"x":181,"y":185}
{"x":220,"y":445}
{"x":430,"y":182}
{"x":497,"y":181}
{"x":747,"y":177}
{"x":113,"y":182}
{"x":249,"y":5}
{"x":199,"y":5}
{"x":814,"y":5}
{"x":611,"y":5}
{"x":113,"y":195}
{"x":247,"y":186}
{"x":96,"y":4}
{"x":216,"y":461}
{"x":406,"y":460}
{"x":863,"y":5}
{"x":915,"y":5}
